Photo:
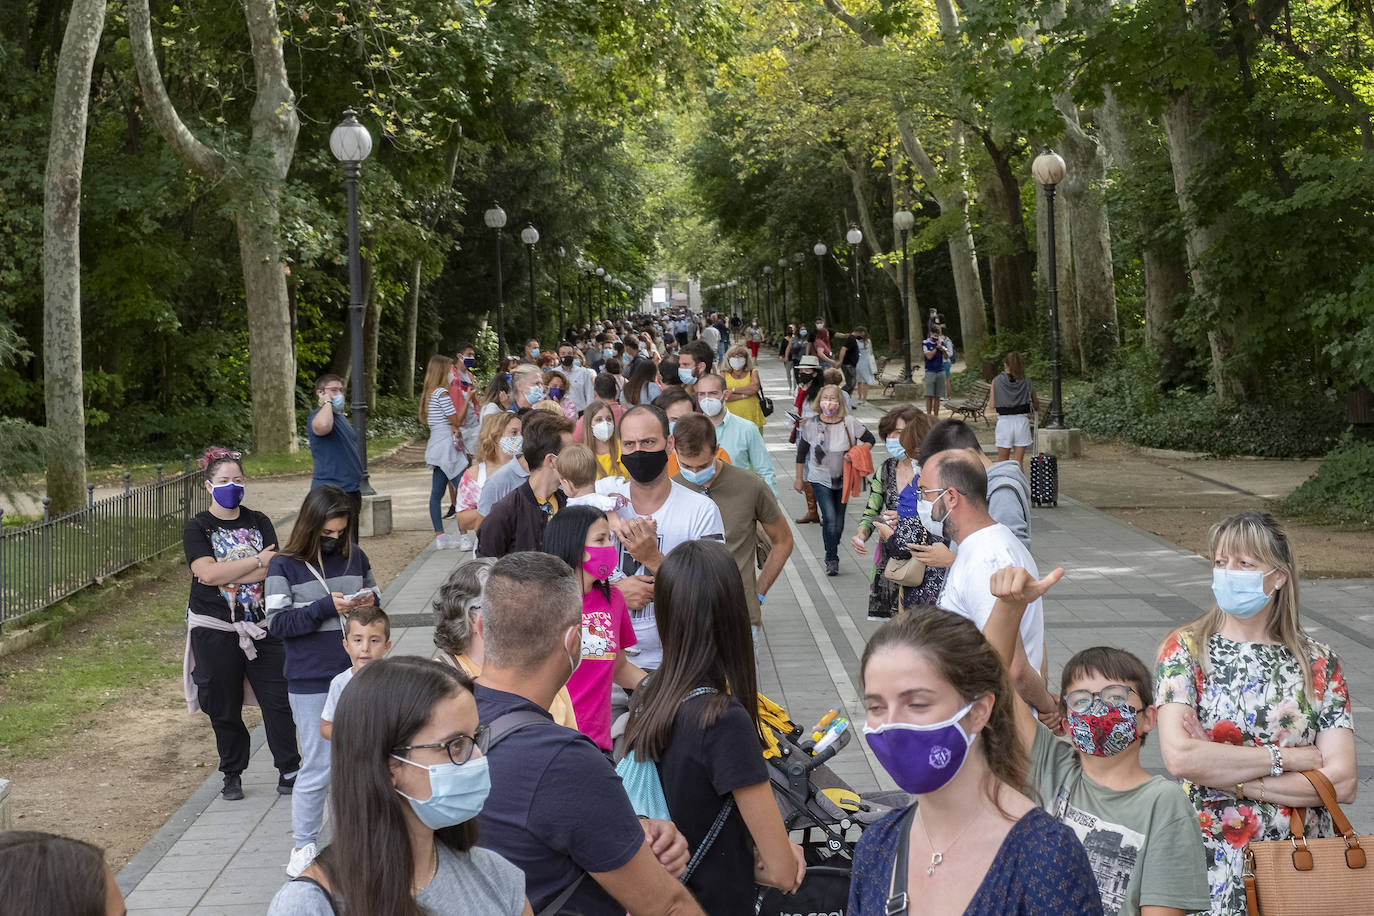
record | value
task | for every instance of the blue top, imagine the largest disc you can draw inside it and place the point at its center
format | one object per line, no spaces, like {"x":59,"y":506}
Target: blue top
{"x":556,"y":809}
{"x":1040,"y":870}
{"x":935,"y":354}
{"x":336,"y":455}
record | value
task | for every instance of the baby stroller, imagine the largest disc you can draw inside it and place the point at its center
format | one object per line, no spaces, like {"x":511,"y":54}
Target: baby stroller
{"x":815,"y":802}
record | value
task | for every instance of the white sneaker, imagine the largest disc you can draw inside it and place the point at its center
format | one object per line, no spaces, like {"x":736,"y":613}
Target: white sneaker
{"x":300,"y":860}
{"x":466,"y":541}
{"x":444,"y":542}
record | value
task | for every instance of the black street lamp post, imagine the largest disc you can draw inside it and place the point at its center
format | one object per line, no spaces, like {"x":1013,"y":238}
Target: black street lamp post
{"x":562,"y":252}
{"x":822,"y":296}
{"x":767,"y":295}
{"x":1048,"y":169}
{"x":855,"y":238}
{"x":782,"y":284}
{"x":902,"y":221}
{"x":351,"y":144}
{"x":495,"y":218}
{"x":530,"y":236}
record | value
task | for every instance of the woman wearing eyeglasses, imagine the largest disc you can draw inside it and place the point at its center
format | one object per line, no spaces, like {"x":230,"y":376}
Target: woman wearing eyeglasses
{"x":1248,"y":702}
{"x":228,"y":547}
{"x":409,"y":781}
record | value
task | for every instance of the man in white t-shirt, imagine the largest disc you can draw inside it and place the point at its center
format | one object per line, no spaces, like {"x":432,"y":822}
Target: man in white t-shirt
{"x":659,"y":516}
{"x":954,"y":496}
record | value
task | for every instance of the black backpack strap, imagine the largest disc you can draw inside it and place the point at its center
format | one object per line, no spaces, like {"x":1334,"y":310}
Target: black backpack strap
{"x":327,"y":896}
{"x":897,"y":902}
{"x":556,"y":904}
{"x":709,"y":839}
{"x":504,"y":725}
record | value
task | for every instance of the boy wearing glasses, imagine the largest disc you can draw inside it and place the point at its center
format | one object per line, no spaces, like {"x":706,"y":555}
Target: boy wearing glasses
{"x":1140,"y":831}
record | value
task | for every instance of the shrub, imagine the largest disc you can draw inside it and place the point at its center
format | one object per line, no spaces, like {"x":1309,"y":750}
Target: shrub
{"x":1342,"y":489}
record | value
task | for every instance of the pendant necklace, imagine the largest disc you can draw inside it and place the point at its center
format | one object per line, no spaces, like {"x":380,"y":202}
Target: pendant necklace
{"x":937,"y":857}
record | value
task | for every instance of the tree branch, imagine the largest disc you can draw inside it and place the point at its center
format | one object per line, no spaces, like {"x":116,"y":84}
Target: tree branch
{"x":860,"y":28}
{"x":200,"y":158}
{"x":1342,"y":92}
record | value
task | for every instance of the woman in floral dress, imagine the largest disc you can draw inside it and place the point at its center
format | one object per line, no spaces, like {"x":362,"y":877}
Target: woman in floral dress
{"x":1247,"y":702}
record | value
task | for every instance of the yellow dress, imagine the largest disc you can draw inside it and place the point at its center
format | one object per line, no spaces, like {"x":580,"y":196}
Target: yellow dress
{"x":748,"y":408}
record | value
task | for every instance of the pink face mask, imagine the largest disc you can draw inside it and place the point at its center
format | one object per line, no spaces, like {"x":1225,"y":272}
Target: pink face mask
{"x":600,"y":562}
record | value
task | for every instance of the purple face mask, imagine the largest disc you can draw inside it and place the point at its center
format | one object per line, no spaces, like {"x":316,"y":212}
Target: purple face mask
{"x":921,"y":758}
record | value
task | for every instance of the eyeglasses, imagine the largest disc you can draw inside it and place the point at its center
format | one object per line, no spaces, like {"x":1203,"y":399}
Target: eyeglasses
{"x":459,"y":747}
{"x":922,"y":491}
{"x":1113,"y":695}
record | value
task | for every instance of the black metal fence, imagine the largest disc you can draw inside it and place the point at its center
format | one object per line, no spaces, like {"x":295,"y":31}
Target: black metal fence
{"x":45,"y":561}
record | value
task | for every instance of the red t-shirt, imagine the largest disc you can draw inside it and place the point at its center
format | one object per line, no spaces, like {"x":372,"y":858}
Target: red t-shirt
{"x":606,"y":631}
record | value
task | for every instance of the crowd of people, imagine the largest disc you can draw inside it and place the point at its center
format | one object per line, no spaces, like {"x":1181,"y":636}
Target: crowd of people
{"x":621,"y":510}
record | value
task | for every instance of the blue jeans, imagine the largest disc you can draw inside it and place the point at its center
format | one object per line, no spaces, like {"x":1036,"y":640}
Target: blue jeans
{"x":437,"y":488}
{"x":832,"y":519}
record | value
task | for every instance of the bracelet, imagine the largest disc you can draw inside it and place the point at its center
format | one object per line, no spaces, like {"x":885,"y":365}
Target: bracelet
{"x":1240,"y":790}
{"x":1261,"y":785}
{"x":1276,"y":759}
{"x":259,"y":559}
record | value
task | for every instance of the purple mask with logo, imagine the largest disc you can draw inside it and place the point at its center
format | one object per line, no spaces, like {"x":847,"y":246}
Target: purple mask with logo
{"x":921,"y":758}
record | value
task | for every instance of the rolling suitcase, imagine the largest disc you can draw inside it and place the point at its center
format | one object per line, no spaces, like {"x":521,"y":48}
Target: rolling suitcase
{"x":1044,"y":472}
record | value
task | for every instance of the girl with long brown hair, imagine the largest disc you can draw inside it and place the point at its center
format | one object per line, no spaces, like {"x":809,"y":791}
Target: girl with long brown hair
{"x":940,"y":720}
{"x":444,"y":453}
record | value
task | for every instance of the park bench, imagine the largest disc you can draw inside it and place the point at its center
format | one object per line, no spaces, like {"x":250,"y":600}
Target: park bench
{"x":974,"y":405}
{"x":892,"y":374}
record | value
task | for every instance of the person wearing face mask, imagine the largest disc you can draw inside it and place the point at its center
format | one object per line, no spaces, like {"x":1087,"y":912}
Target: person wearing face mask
{"x":820,"y":345}
{"x":642,"y":386}
{"x":754,"y":333}
{"x":580,"y":378}
{"x":557,"y":810}
{"x":444,"y":453}
{"x":1148,"y":854}
{"x":412,"y":779}
{"x":556,"y":388}
{"x":865,"y":368}
{"x":823,"y":442}
{"x":742,"y":386}
{"x":498,"y":444}
{"x":517,"y":520}
{"x":528,"y":384}
{"x":711,"y":335}
{"x":581,"y":537}
{"x":1248,"y":701}
{"x":599,"y":434}
{"x":228,"y":548}
{"x":940,"y":719}
{"x":334,"y":443}
{"x":498,"y":397}
{"x":895,"y":476}
{"x":739,"y":437}
{"x":532,"y":352}
{"x":952,"y":503}
{"x":695,"y":360}
{"x":317,"y":578}
{"x":748,"y":507}
{"x":659,"y":515}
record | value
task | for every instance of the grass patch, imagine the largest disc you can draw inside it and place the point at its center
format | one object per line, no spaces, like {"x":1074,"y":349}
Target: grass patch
{"x":301,"y":462}
{"x":116,"y":640}
{"x":1342,"y":490}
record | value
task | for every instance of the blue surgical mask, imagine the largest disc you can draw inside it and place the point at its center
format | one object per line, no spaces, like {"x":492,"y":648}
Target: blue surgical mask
{"x":686,"y":376}
{"x":228,"y":495}
{"x":577,"y":363}
{"x":702,"y":477}
{"x":608,"y":352}
{"x":672,"y":425}
{"x":894,"y":447}
{"x":337,"y":401}
{"x":469,"y":362}
{"x":534,"y":353}
{"x":1240,"y":592}
{"x":457,"y":792}
{"x":535,"y":394}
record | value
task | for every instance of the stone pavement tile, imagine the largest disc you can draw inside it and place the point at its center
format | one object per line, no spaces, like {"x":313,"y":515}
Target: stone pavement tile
{"x":232,"y":910}
{"x":179,"y":897}
{"x":245,"y":887}
{"x":156,"y":910}
{"x":207,"y":863}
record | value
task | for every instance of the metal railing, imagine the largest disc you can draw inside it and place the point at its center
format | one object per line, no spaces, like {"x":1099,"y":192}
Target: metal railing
{"x":45,"y":561}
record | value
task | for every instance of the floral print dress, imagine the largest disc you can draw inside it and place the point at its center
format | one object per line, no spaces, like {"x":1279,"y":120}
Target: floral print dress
{"x":1252,"y":695}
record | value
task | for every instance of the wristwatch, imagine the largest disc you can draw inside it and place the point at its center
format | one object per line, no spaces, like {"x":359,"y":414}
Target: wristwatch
{"x":1276,"y":759}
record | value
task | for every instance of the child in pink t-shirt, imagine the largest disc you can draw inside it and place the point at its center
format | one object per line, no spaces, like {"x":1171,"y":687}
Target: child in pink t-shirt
{"x":581,"y":536}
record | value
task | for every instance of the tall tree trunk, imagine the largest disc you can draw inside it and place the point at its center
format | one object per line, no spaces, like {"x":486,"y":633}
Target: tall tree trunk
{"x":1084,"y":193}
{"x":255,"y":182}
{"x":410,"y":326}
{"x":63,"y":392}
{"x":1013,"y":285}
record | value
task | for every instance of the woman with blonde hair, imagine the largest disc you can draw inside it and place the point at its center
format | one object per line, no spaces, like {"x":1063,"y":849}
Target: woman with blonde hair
{"x":599,"y":432}
{"x":443,"y":454}
{"x":823,"y":441}
{"x":498,"y":443}
{"x":1248,"y":702}
{"x":1013,"y":398}
{"x":742,"y":385}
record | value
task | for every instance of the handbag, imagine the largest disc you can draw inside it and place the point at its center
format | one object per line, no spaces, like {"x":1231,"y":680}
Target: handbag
{"x":1301,"y":875}
{"x":910,"y":571}
{"x":765,"y":404}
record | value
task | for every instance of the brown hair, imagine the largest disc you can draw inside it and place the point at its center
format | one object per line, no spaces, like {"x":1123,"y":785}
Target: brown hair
{"x":888,"y":421}
{"x":436,"y":376}
{"x":44,"y":874}
{"x":366,"y":616}
{"x":321,"y":504}
{"x":917,"y":427}
{"x":1112,"y":663}
{"x":961,"y":655}
{"x":612,"y":444}
{"x":577,"y":465}
{"x":694,"y":434}
{"x":1015,"y":365}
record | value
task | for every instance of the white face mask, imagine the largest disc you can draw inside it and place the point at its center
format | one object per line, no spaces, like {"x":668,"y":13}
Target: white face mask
{"x":926,"y":508}
{"x":712,"y":406}
{"x":737,"y":363}
{"x":603,"y":430}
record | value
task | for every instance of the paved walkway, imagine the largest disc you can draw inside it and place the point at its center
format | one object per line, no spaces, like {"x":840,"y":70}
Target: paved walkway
{"x":1124,"y":587}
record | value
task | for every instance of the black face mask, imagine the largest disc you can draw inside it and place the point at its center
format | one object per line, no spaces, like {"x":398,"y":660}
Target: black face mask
{"x":645,"y":467}
{"x":329,"y":546}
{"x":567,"y":362}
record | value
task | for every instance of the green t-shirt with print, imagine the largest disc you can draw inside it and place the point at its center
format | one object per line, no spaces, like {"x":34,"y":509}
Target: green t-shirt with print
{"x":1144,"y":844}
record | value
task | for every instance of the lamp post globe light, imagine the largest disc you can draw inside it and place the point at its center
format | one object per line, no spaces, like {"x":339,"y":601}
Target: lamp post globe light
{"x":822,"y":298}
{"x":600,"y":292}
{"x":1048,"y":169}
{"x":902,"y":221}
{"x":855,"y":238}
{"x":495,"y":218}
{"x":530,"y":236}
{"x":351,"y":144}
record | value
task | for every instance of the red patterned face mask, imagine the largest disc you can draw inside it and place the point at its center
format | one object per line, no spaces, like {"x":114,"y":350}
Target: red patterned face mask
{"x":1102,"y":730}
